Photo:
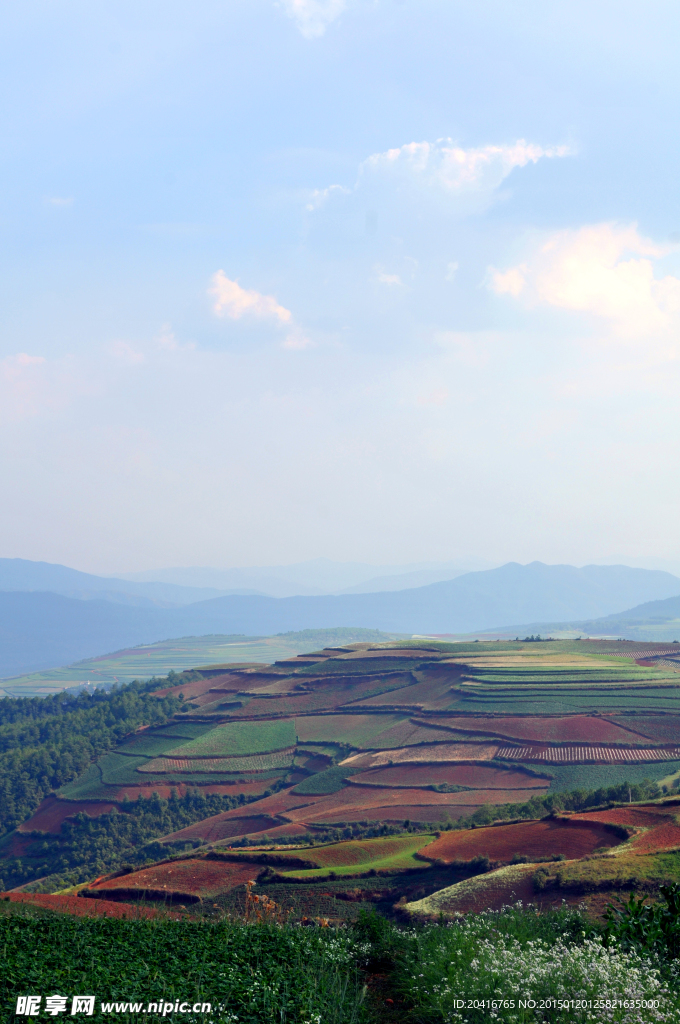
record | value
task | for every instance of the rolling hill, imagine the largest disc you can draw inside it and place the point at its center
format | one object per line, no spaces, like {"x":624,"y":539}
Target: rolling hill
{"x":40,"y":631}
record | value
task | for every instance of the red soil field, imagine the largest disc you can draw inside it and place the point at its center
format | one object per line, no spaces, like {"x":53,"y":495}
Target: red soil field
{"x":397,"y":815}
{"x":199,"y":686}
{"x":477,"y":776}
{"x":533,"y":839}
{"x":663,"y":837}
{"x":325,"y":693}
{"x":52,"y":812}
{"x":82,"y":908}
{"x":645,"y":816}
{"x":231,"y":788}
{"x":663,"y":728}
{"x":425,"y":754}
{"x":406,"y":733}
{"x":428,"y":694}
{"x":585,"y":728}
{"x":191,"y":877}
{"x":370,"y":798}
{"x":220,"y":827}
{"x":274,"y":833}
{"x":660,"y":821}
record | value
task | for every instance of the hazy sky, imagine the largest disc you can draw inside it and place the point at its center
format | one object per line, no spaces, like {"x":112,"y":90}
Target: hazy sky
{"x":366,"y":279}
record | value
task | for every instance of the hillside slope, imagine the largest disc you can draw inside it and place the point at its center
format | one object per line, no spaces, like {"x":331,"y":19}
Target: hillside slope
{"x":42,"y":631}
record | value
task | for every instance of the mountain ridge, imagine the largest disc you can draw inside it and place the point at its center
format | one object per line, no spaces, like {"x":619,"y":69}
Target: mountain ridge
{"x":41,"y":630}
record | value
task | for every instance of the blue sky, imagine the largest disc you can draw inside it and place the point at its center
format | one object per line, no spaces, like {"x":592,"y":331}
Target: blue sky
{"x":372,"y":280}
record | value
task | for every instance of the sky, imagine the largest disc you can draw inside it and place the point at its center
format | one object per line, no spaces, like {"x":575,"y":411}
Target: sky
{"x":375,"y":280}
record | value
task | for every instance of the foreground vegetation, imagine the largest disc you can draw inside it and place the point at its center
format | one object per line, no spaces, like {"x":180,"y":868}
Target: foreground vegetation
{"x":253,"y":974}
{"x":514,"y":967}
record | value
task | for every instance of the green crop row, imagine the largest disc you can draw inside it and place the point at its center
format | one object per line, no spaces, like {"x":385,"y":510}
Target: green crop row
{"x":251,"y":974}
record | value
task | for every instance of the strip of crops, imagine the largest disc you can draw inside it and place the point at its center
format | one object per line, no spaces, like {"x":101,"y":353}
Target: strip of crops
{"x":597,"y":776}
{"x":242,"y":739}
{"x":251,"y":974}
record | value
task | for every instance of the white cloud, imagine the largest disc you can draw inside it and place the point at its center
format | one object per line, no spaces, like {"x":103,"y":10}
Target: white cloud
{"x":296,"y":340}
{"x":233,"y":301}
{"x":444,"y":166}
{"x":59,"y":200}
{"x":319,"y":196}
{"x":451,"y":271}
{"x":314,"y":16}
{"x":12,"y":368}
{"x":603,"y":269}
{"x":126,"y":354}
{"x":392,"y":280}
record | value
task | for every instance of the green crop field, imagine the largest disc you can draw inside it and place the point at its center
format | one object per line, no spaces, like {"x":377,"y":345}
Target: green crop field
{"x":355,"y":729}
{"x":584,"y":776}
{"x":362,"y":855}
{"x":149,"y":744}
{"x":330,"y":781}
{"x":242,"y":738}
{"x":244,"y":973}
{"x":361,"y":666}
{"x":178,"y":655}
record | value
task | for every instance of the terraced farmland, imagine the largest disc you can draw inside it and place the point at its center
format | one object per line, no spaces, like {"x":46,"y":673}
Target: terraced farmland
{"x":368,"y":737}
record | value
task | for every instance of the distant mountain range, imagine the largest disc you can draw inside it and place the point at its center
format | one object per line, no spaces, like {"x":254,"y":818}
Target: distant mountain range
{"x":42,"y":629}
{"x":170,"y":588}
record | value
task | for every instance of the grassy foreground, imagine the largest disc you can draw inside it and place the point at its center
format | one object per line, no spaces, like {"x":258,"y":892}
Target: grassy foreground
{"x":511,"y":967}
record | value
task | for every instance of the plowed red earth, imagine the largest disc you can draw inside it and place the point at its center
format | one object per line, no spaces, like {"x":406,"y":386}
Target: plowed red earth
{"x":646,"y":817}
{"x":368,"y":798}
{"x":430,"y":694}
{"x":533,"y":839}
{"x":662,"y":829}
{"x":232,"y":788}
{"x":664,"y":728}
{"x":404,"y":734}
{"x":664,"y":837}
{"x":396,"y":815}
{"x":218,"y":827}
{"x":476,"y":776}
{"x":585,"y":728}
{"x":279,"y":831}
{"x":194,"y":877}
{"x":52,"y":812}
{"x":82,"y":907}
{"x":200,"y":686}
{"x":324,"y":693}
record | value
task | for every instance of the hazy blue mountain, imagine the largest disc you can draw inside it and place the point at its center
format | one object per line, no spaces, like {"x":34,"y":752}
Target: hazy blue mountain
{"x":40,"y":630}
{"x":22,"y":574}
{"x":313,"y":578}
{"x":653,"y":620}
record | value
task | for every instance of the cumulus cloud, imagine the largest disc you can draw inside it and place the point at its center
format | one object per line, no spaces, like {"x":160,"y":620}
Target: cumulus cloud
{"x":233,"y":301}
{"x":319,"y":196}
{"x":32,"y":386}
{"x":392,"y":280}
{"x":441,"y":172}
{"x":297,"y":340}
{"x":313,"y":16}
{"x":126,"y":354}
{"x":604,"y":269}
{"x":444,"y":166}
